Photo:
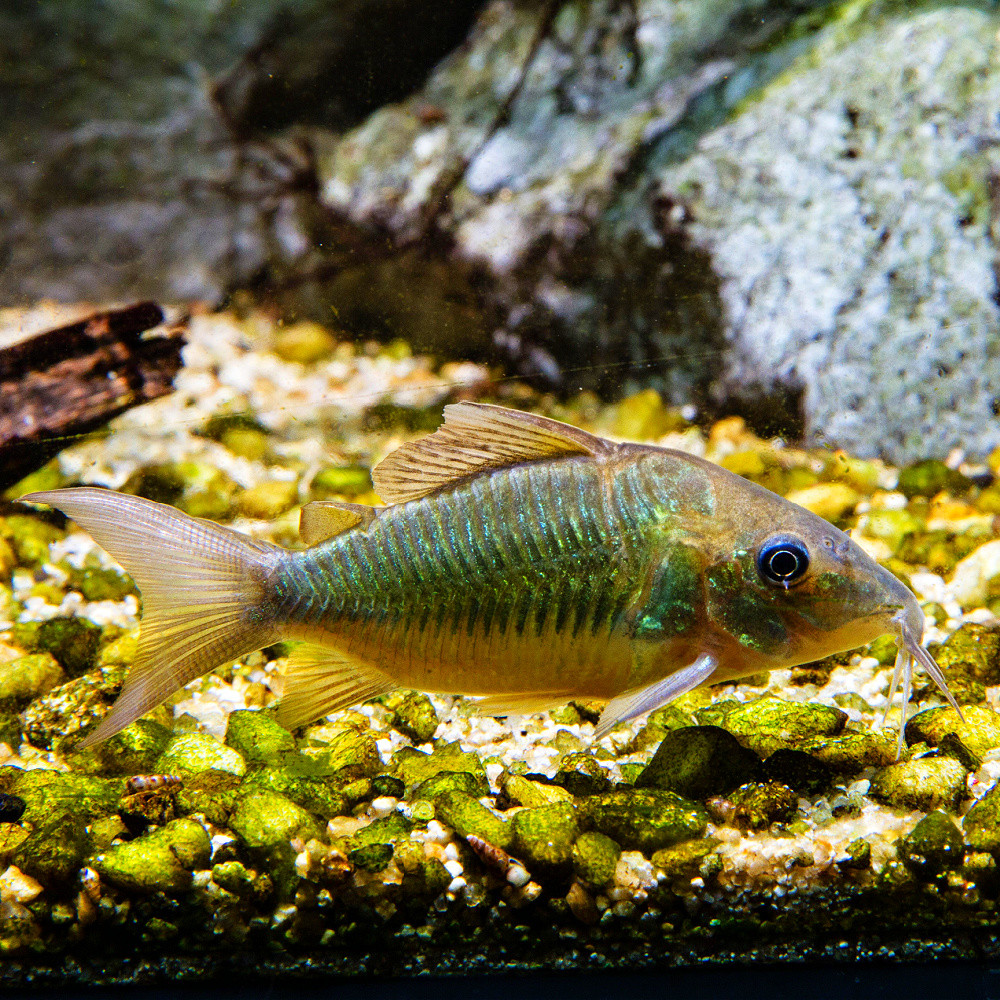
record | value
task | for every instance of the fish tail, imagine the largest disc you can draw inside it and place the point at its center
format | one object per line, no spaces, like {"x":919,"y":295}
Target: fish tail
{"x":203,"y":590}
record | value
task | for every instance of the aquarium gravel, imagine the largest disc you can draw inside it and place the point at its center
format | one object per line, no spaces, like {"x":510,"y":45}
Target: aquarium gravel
{"x":768,"y":818}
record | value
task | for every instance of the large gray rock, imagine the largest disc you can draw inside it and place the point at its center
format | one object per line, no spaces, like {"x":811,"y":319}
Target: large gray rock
{"x":144,"y":146}
{"x":775,"y":208}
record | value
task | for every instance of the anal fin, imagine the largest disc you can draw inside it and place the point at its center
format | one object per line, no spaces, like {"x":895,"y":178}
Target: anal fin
{"x":522,"y":704}
{"x":638,"y":702}
{"x":319,"y":680}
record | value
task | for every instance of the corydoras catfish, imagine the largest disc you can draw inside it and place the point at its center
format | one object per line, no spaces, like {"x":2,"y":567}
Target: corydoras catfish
{"x":520,"y":559}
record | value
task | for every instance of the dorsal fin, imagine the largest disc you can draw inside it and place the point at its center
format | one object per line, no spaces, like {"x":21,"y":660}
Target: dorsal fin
{"x":475,"y":438}
{"x":322,"y":519}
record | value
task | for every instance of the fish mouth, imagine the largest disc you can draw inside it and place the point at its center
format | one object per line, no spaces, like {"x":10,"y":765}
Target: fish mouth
{"x":908,"y":624}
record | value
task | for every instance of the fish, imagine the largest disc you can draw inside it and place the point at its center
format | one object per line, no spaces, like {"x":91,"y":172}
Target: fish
{"x":518,"y":559}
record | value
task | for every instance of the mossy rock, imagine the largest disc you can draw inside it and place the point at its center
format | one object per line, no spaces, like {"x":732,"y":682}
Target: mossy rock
{"x":30,"y":537}
{"x":192,"y":753}
{"x":543,"y":837}
{"x":414,"y":766}
{"x":160,"y":861}
{"x":981,"y":824}
{"x":521,"y":791}
{"x":658,"y":724}
{"x":759,"y":804}
{"x":940,"y":550}
{"x":72,"y":641}
{"x":645,"y":819}
{"x":325,"y":797}
{"x":595,"y":858}
{"x":211,"y":793}
{"x":581,"y":775}
{"x":55,"y":850}
{"x":386,"y":830}
{"x":258,"y":738}
{"x":714,"y":714}
{"x":351,"y":754}
{"x":699,"y":761}
{"x":162,"y":482}
{"x":134,"y":750}
{"x":851,"y":753}
{"x":371,"y":857}
{"x":970,"y":659}
{"x":266,"y":501}
{"x":685,"y":861}
{"x":466,"y":815}
{"x":121,"y":652}
{"x":474,"y":785}
{"x":770,"y":724}
{"x":28,"y":677}
{"x":414,"y":715}
{"x":925,"y":783}
{"x":800,"y":771}
{"x":50,"y":793}
{"x":979,"y":732}
{"x":303,"y":342}
{"x":932,"y":846}
{"x":99,"y":583}
{"x":930,"y":477}
{"x":265,"y":823}
{"x":341,"y":481}
{"x":892,"y":526}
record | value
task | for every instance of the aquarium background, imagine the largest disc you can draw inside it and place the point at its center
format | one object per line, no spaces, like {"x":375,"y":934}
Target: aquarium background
{"x":763,"y":232}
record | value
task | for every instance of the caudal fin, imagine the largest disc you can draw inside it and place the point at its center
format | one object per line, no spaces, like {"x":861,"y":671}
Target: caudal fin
{"x":201,"y":591}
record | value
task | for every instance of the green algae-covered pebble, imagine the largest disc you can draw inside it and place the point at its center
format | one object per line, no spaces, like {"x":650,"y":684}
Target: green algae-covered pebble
{"x":49,"y":793}
{"x":981,"y":824}
{"x":658,"y":724}
{"x":195,"y":752}
{"x":543,"y":836}
{"x":521,"y":791}
{"x":383,"y":830}
{"x":798,"y":770}
{"x":319,"y":795}
{"x":859,"y":855}
{"x":72,"y":641}
{"x":685,"y":861}
{"x":414,"y":766}
{"x":8,"y":559}
{"x":162,"y":482}
{"x":211,"y":793}
{"x":60,"y":716}
{"x":269,"y":819}
{"x":474,"y":785}
{"x":768,"y":724}
{"x":581,"y":774}
{"x":979,"y":732}
{"x":414,"y":715}
{"x":30,"y":538}
{"x":134,"y":750}
{"x":28,"y":677}
{"x":99,"y":583}
{"x":930,"y":477}
{"x":341,"y":480}
{"x":760,"y":804}
{"x":595,"y":858}
{"x":160,"y":861}
{"x":933,"y":845}
{"x":645,"y":820}
{"x":371,"y":857}
{"x":466,"y":815}
{"x":850,"y":753}
{"x":265,"y":501}
{"x":891,"y":526}
{"x":699,"y":761}
{"x":258,"y":738}
{"x":715,"y":713}
{"x":388,"y":784}
{"x":970,"y":659}
{"x":55,"y":850}
{"x":233,"y":877}
{"x":304,"y":342}
{"x":121,"y":652}
{"x":925,"y":783}
{"x":352,"y":754}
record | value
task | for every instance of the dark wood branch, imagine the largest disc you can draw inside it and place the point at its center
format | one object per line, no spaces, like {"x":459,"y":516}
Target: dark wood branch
{"x":73,"y":379}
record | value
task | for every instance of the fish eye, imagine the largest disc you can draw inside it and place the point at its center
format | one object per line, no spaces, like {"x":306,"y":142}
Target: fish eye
{"x":782,"y":560}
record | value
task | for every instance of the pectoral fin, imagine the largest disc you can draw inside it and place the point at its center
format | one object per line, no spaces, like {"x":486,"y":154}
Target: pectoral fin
{"x":638,"y":702}
{"x":319,"y":680}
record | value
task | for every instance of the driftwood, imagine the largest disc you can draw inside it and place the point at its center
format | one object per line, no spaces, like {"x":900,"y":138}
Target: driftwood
{"x":73,"y":379}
